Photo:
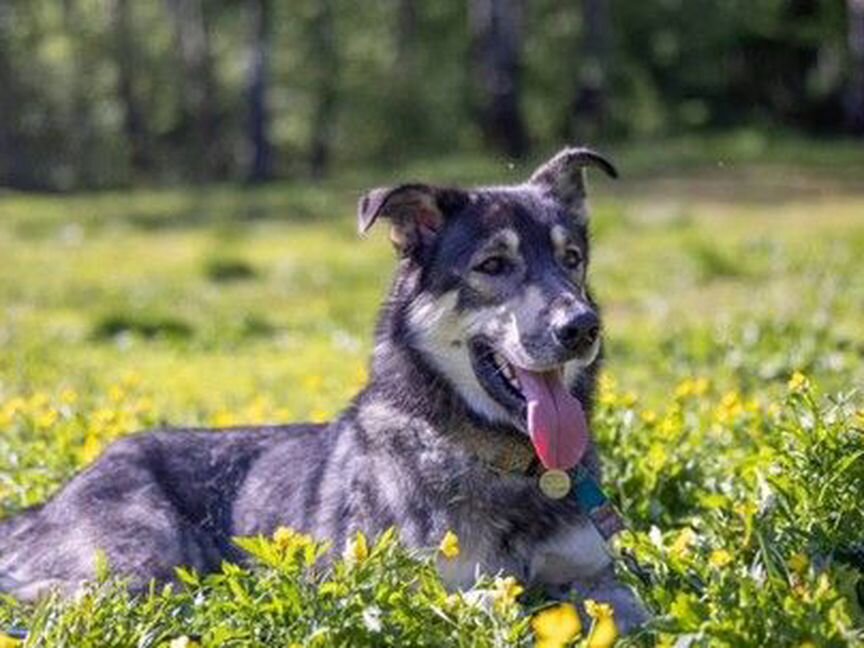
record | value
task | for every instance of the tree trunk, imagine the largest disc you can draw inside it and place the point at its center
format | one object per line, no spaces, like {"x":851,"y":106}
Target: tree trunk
{"x":134,"y":120}
{"x":406,"y":34}
{"x":590,"y":102}
{"x":200,"y":116}
{"x":76,"y":116}
{"x":260,"y":168}
{"x":855,"y":90}
{"x":13,"y":169}
{"x":323,"y":41}
{"x":496,"y":29}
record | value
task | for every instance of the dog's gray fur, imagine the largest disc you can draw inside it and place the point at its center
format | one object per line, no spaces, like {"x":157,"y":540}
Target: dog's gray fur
{"x":404,"y":452}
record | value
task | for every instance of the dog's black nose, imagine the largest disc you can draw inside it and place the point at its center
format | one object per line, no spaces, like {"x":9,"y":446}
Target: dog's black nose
{"x":578,"y":332}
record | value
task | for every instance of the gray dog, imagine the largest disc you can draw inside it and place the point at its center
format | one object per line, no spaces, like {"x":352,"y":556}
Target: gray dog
{"x":481,"y":381}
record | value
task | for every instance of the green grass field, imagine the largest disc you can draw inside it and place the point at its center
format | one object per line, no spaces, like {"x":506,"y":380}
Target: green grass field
{"x":720,"y":279}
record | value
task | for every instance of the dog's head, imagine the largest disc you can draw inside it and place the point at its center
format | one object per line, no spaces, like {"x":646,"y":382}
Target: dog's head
{"x":497,"y":297}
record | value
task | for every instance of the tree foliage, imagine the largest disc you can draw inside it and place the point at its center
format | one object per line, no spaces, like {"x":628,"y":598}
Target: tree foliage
{"x":105,"y":93}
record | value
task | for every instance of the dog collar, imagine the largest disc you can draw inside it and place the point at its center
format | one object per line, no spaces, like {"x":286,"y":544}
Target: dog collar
{"x":506,"y":455}
{"x":510,"y":455}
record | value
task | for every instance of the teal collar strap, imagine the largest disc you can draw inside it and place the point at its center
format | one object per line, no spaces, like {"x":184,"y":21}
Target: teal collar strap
{"x":593,"y":501}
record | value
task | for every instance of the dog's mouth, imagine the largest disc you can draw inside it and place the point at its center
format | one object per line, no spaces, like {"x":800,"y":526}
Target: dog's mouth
{"x":552,"y":417}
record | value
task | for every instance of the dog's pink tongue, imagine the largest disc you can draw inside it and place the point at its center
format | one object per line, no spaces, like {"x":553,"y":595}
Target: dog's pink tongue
{"x":556,"y":420}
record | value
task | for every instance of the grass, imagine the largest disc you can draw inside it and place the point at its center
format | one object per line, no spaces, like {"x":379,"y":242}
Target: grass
{"x":742,"y":478}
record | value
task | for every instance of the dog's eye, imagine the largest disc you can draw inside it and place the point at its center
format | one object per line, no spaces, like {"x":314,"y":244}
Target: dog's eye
{"x":495,"y":265}
{"x":572,"y":259}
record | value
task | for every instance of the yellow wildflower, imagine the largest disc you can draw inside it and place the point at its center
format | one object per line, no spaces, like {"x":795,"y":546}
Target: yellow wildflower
{"x":223,"y":418}
{"x":607,"y":383}
{"x":823,"y":585}
{"x":556,"y":626}
{"x":184,"y":642}
{"x":649,"y":416}
{"x":629,"y":399}
{"x":358,"y":549}
{"x":505,"y":591}
{"x":449,"y":546}
{"x":91,"y":449}
{"x":284,"y":536}
{"x":798,"y":383}
{"x":46,"y":419}
{"x":730,"y":408}
{"x":607,"y":387}
{"x":681,"y":546}
{"x":289,"y":541}
{"x":691,"y":387}
{"x":319,"y":416}
{"x":9,"y":642}
{"x":604,"y":632}
{"x":684,"y":388}
{"x":798,"y":563}
{"x":143,"y":405}
{"x":719,"y":558}
{"x":116,"y":393}
{"x":131,"y":379}
{"x":257,"y":411}
{"x":313,"y":382}
{"x":103,"y":417}
{"x":39,"y":400}
{"x":15,"y":406}
{"x":361,"y":376}
{"x":68,"y":396}
{"x":670,"y":426}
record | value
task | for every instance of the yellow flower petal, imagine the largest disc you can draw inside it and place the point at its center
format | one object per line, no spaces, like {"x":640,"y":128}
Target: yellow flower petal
{"x":284,"y":537}
{"x":556,"y":626}
{"x":449,"y":546}
{"x":184,"y":642}
{"x":648,"y":416}
{"x":604,"y":631}
{"x":799,"y":563}
{"x":91,"y":449}
{"x":9,"y":642}
{"x":798,"y":382}
{"x":719,"y":558}
{"x":358,"y":548}
{"x":682,"y":544}
{"x":505,"y":591}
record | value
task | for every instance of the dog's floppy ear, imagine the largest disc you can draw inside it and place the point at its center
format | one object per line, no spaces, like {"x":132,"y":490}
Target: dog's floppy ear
{"x":564,"y":175}
{"x":416,"y":212}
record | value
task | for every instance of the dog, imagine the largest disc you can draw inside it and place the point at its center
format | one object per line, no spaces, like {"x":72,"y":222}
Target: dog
{"x":482,"y":377}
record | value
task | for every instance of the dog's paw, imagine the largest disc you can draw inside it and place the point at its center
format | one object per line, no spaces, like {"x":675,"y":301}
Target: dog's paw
{"x":630,"y":613}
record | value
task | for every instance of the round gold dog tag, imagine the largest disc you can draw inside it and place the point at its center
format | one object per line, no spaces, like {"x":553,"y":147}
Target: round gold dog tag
{"x":555,"y":484}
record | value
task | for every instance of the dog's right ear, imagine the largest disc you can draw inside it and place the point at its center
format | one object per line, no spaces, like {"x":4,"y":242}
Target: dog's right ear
{"x":416,"y":212}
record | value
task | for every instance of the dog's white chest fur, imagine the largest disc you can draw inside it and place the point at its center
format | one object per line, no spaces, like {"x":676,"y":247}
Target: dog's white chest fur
{"x":575,"y":552}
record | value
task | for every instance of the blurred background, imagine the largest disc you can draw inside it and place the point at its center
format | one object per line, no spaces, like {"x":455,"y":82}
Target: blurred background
{"x":113,"y":93}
